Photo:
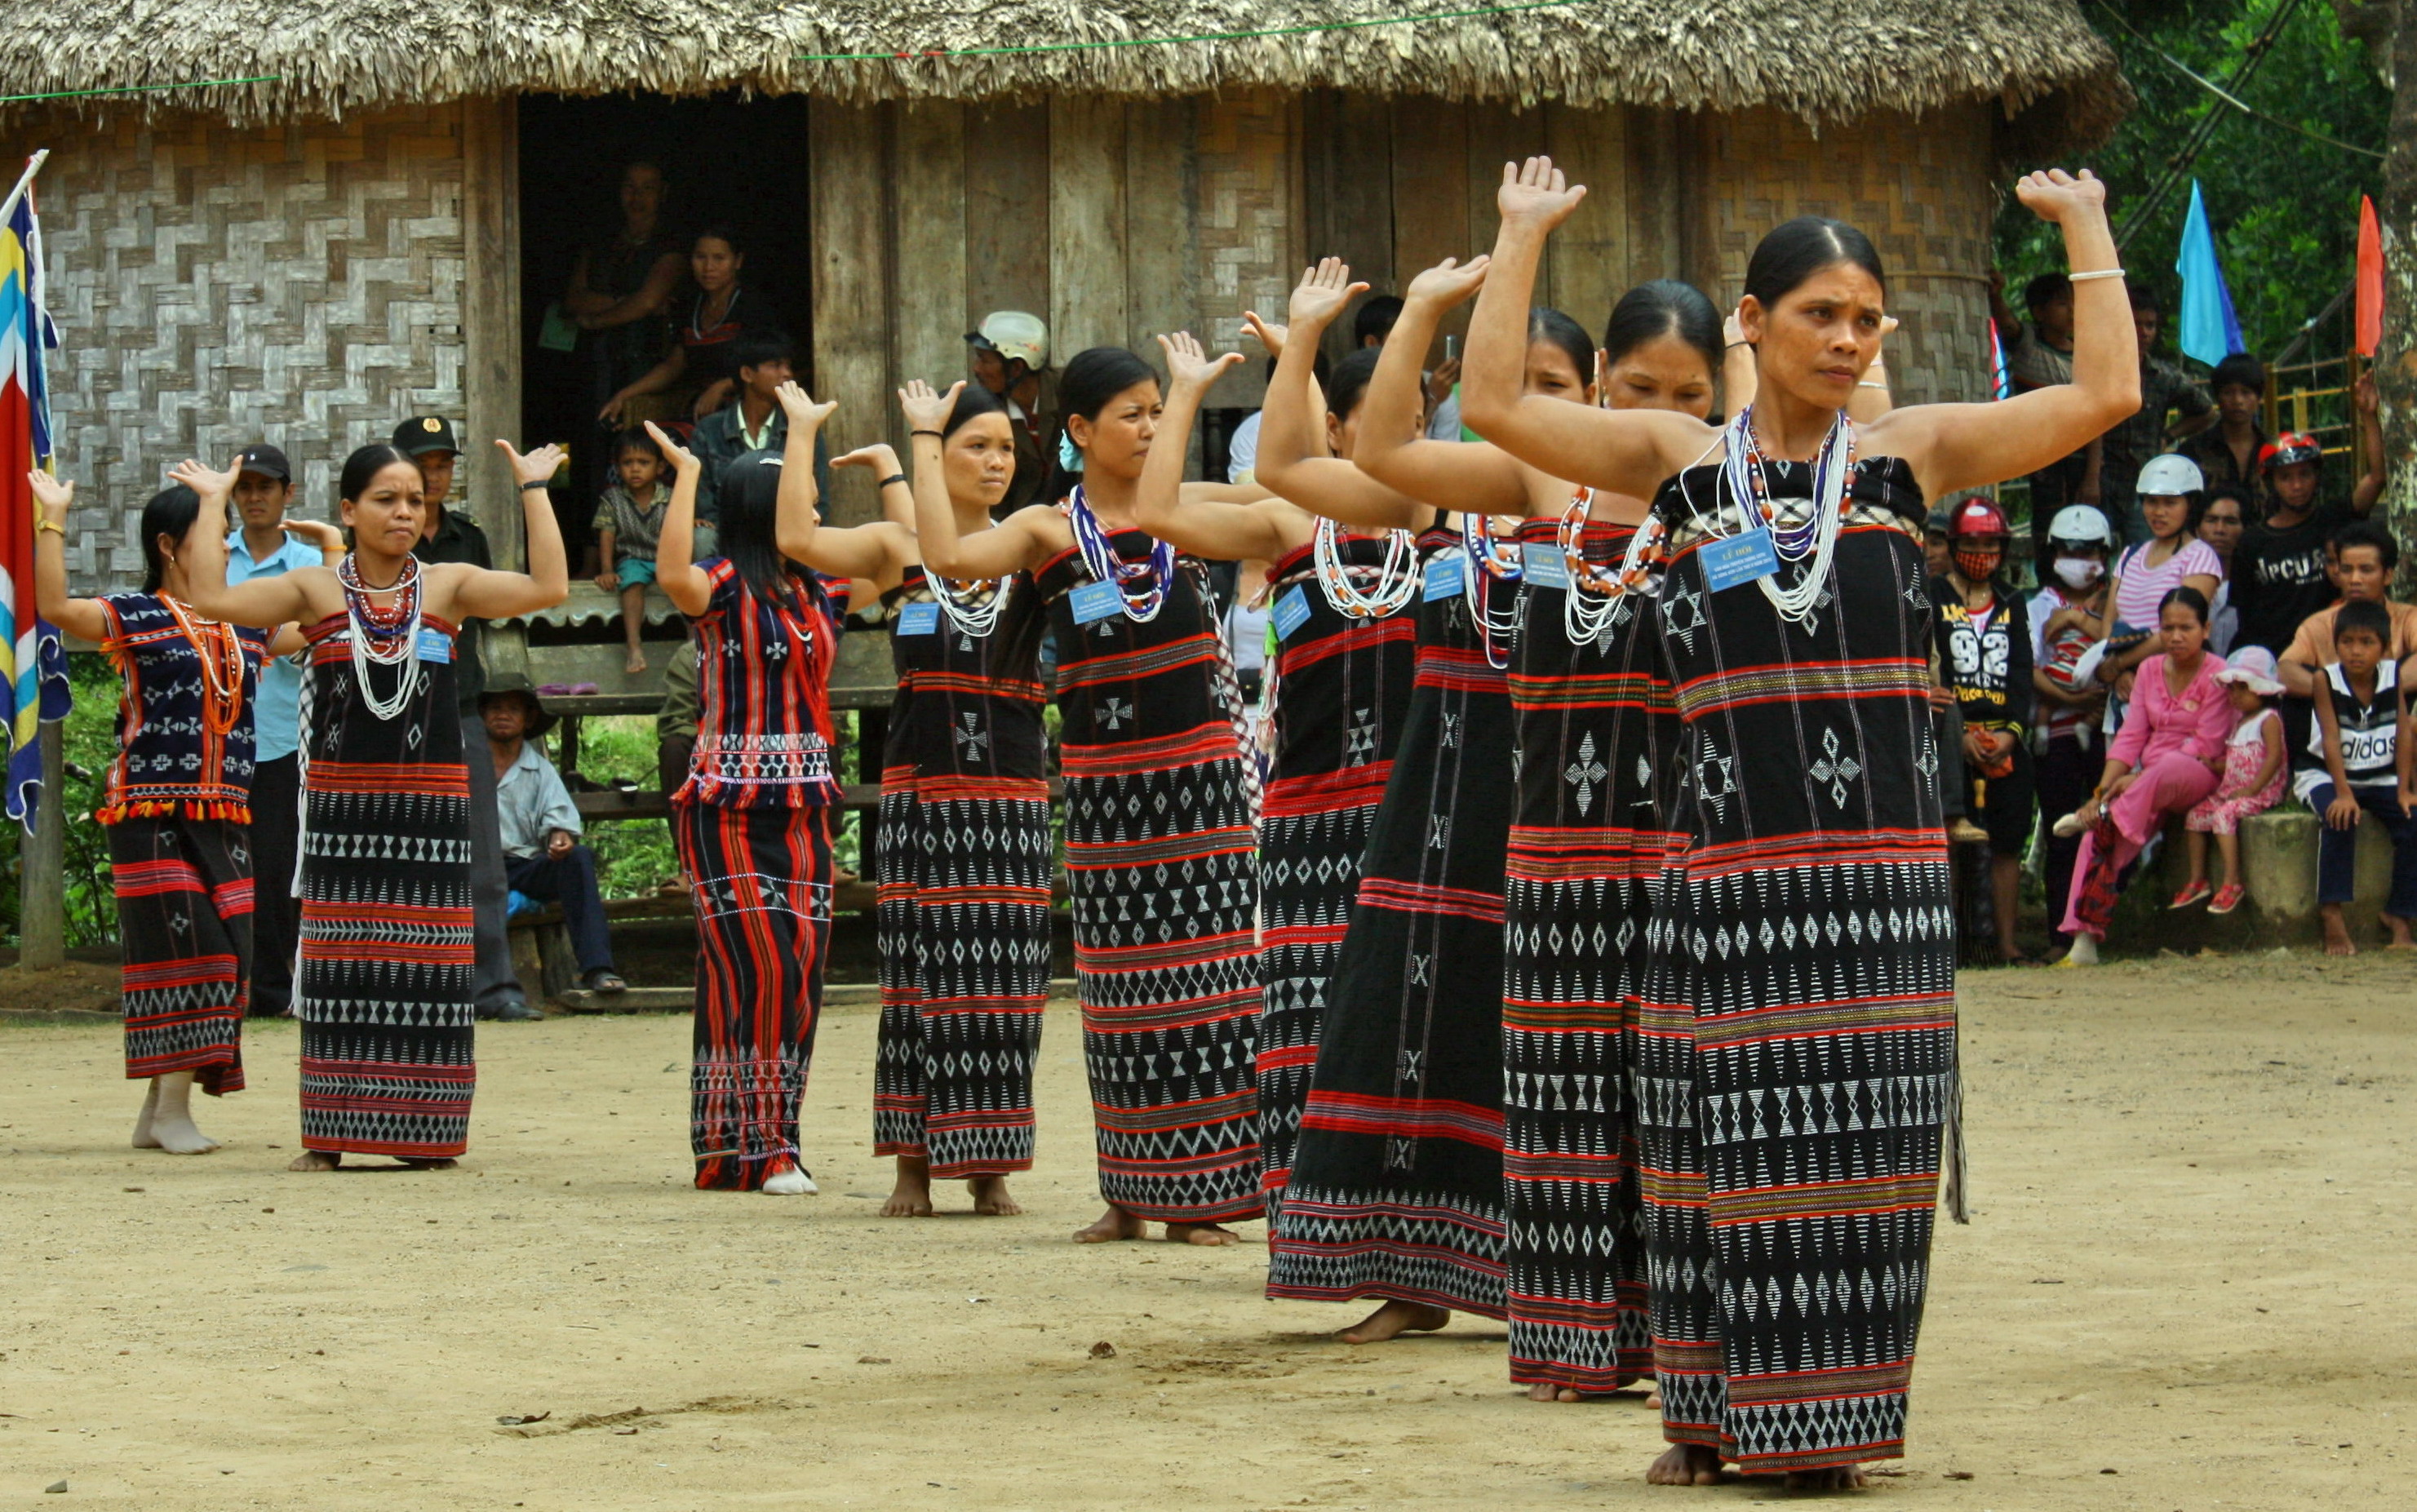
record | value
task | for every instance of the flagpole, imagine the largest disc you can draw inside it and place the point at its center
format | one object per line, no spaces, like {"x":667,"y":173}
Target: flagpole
{"x":33,"y":166}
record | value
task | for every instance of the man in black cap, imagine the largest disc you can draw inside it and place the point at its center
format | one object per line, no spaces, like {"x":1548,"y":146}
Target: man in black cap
{"x":266,"y":545}
{"x":541,"y":828}
{"x":449,"y":536}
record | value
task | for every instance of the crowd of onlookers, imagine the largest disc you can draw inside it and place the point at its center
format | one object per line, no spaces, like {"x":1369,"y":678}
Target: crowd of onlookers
{"x":2211,"y":631}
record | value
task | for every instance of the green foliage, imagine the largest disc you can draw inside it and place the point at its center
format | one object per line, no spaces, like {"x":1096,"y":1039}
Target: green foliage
{"x":634,"y":856}
{"x":2284,"y":207}
{"x":90,"y":746}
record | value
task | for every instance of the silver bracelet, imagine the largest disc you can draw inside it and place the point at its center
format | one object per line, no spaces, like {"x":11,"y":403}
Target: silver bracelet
{"x":1865,"y":383}
{"x":2099,"y":273}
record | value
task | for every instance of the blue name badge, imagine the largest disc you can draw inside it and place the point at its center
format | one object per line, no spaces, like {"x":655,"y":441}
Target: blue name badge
{"x":1443,"y":578}
{"x":917,"y":619}
{"x":1096,"y":601}
{"x":432,"y":645}
{"x":1739,"y":559}
{"x":1543,"y":564}
{"x":1291,"y":613}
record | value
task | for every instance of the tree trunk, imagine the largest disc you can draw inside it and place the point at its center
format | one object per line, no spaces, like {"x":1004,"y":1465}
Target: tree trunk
{"x":2396,"y":361}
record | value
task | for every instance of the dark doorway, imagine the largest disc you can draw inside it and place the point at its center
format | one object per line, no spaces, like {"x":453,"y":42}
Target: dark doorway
{"x":726,"y":162}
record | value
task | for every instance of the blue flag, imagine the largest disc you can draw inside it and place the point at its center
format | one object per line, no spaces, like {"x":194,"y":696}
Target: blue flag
{"x":2209,"y":332}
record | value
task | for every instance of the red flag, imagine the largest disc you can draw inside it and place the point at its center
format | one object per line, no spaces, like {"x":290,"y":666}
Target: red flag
{"x":2370,"y":280}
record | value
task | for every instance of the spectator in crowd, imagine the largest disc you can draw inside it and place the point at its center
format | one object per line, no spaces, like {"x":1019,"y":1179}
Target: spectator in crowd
{"x":2344,"y":761}
{"x":2173,"y":558}
{"x":2254,"y":763}
{"x":2039,"y":354}
{"x":2065,"y":734}
{"x":702,"y":360}
{"x":1243,"y":447}
{"x":1373,"y":325}
{"x":2226,"y":452}
{"x":451,"y":535}
{"x":263,"y":546}
{"x":2364,"y":556}
{"x":1935,"y":557}
{"x":1010,"y":359}
{"x":2162,"y":763}
{"x":628,"y":518}
{"x":2164,"y":388}
{"x":1984,"y":648}
{"x":621,"y":285}
{"x":752,"y":421}
{"x":2220,"y":525}
{"x":541,"y":829}
{"x":2280,"y":574}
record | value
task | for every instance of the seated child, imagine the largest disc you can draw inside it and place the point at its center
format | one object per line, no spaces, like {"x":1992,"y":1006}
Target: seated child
{"x":2344,"y":761}
{"x":628,"y":520}
{"x":2254,"y":760}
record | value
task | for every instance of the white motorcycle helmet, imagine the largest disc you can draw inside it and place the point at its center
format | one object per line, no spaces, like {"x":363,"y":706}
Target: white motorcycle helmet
{"x":2170,"y":477}
{"x":2078,"y":524}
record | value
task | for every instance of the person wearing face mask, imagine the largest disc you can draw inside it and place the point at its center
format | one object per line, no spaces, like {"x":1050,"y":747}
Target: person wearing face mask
{"x":1984,"y":651}
{"x":2071,"y":702}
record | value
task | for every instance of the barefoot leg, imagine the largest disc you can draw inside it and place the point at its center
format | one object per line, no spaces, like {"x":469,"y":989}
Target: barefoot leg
{"x":2338,"y":940}
{"x":911,"y":1198}
{"x":1685,"y":1464}
{"x":315,"y":1160}
{"x":2398,"y":928}
{"x":143,"y":1137}
{"x":1547,"y":1391}
{"x":991,"y":1198}
{"x":1835,"y":1478}
{"x":172,"y":1118}
{"x":1201,"y":1233}
{"x":1113,"y":1224}
{"x":633,"y":618}
{"x":1397,"y":1318}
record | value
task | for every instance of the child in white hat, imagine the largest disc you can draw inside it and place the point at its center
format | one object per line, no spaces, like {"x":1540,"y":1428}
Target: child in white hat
{"x":2252,"y":782}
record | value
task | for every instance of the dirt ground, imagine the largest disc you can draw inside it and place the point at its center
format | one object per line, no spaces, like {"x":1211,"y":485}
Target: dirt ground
{"x":2186,"y":1286}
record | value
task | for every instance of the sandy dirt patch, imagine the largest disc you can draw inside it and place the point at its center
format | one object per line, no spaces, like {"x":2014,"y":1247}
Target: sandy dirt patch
{"x":2190,"y":1266}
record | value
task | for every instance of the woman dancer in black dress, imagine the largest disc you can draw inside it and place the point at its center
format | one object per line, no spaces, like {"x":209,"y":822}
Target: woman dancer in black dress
{"x":1797,"y":1033}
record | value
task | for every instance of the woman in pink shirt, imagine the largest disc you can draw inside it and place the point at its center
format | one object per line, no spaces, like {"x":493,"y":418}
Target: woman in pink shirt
{"x":2166,"y":757}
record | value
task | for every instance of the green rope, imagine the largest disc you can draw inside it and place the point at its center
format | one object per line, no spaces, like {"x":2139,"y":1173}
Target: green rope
{"x":1178,"y":42}
{"x":139,"y":89}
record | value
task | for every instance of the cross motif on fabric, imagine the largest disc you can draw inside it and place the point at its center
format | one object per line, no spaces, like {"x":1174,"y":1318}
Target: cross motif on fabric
{"x":1452,"y":732}
{"x":1400,"y":1151}
{"x":970,"y":734}
{"x":1418,"y":970}
{"x":1836,"y":767}
{"x":1113,"y":712}
{"x":1584,"y":773}
{"x":1438,"y":831}
{"x":1407,"y":1064}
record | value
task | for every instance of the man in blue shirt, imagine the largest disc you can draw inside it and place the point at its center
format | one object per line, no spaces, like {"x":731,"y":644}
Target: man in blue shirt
{"x":261,"y":547}
{"x":541,"y":829}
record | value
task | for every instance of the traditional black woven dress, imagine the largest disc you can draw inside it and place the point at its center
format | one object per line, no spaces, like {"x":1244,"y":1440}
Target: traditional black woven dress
{"x":1797,"y":1043}
{"x":1597,"y":737}
{"x":1159,"y":859}
{"x":178,"y":808}
{"x":1342,"y":689}
{"x":383,"y":991}
{"x":1396,"y":1188}
{"x":964,"y":892}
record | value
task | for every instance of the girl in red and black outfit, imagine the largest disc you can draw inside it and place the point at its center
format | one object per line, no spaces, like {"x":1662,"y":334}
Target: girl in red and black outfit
{"x":1984,"y":651}
{"x":751,"y":820}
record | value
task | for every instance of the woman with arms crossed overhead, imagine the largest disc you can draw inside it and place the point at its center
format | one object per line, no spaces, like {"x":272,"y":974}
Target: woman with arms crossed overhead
{"x":1797,"y":1036}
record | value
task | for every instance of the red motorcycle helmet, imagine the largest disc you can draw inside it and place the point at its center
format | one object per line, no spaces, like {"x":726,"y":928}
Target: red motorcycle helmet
{"x":1976,"y":518}
{"x":2288,"y":449}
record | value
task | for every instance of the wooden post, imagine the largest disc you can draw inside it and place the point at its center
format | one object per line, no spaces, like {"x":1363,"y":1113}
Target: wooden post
{"x":42,"y":880}
{"x":1086,"y":224}
{"x":490,"y":355}
{"x":930,"y":339}
{"x":853,"y":307}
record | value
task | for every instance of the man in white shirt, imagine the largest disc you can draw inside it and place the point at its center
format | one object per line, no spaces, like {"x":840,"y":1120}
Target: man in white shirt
{"x":543,"y":857}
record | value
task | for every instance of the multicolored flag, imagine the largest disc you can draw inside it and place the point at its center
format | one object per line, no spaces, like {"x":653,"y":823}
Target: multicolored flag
{"x":33,"y":668}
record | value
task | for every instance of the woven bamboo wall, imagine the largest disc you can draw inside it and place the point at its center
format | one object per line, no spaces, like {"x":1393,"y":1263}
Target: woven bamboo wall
{"x":213,"y":287}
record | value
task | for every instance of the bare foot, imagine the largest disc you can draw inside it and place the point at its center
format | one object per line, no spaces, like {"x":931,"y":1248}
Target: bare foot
{"x":991,"y":1198}
{"x":2399,"y":929}
{"x":1116,"y":1223}
{"x":635,"y":662}
{"x":1685,"y":1464}
{"x":1835,"y":1478}
{"x":143,"y":1137}
{"x":1397,"y":1318}
{"x":2338,"y":940}
{"x":315,"y":1160}
{"x":911,"y":1198}
{"x":1201,"y":1233}
{"x":442,"y":1162}
{"x":1547,"y":1391}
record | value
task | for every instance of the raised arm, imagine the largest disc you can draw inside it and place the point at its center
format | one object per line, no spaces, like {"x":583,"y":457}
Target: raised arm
{"x":877,"y":552}
{"x":2366,"y":414}
{"x":1394,"y":447}
{"x":996,"y":552}
{"x":675,"y":570}
{"x":1293,"y":459}
{"x":1954,"y":447}
{"x":1627,"y":452}
{"x":484,"y":593}
{"x":1215,"y":528}
{"x":265,"y":602}
{"x":82,"y":617}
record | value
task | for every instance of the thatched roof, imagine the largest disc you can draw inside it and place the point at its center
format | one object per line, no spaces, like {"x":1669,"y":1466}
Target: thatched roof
{"x":1821,"y":58}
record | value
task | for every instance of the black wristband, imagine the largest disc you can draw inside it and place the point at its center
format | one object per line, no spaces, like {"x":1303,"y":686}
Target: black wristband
{"x":933,"y":434}
{"x":894,"y":478}
{"x":540,"y":483}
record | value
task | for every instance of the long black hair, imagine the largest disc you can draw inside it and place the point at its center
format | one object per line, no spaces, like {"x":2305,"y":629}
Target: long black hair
{"x":365,"y":465}
{"x":1665,"y":306}
{"x":750,"y":494}
{"x":171,"y":512}
{"x":1559,"y":329}
{"x":973,"y":403}
{"x":2190,"y":599}
{"x":1348,"y":385}
{"x":1086,"y":386}
{"x":1795,"y":252}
